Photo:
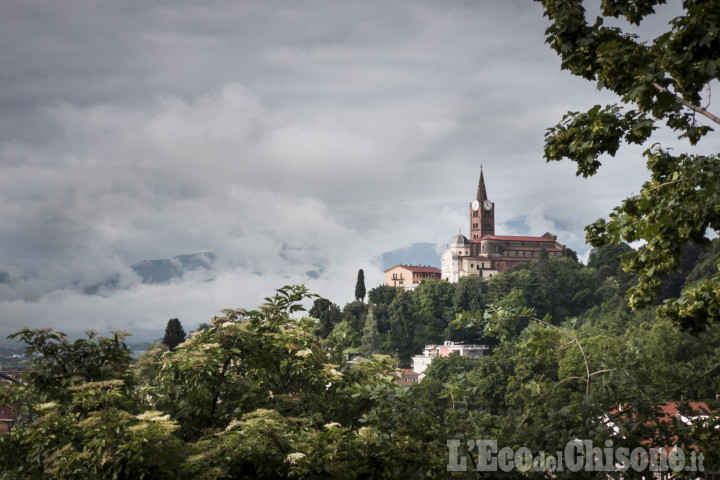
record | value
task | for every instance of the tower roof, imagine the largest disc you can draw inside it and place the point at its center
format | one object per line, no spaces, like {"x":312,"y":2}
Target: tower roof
{"x":481,"y":193}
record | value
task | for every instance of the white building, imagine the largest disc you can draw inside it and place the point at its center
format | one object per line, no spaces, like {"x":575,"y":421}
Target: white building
{"x":421,"y":362}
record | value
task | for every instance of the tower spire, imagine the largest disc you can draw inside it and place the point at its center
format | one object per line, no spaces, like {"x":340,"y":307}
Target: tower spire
{"x":482,"y":212}
{"x":481,"y":193}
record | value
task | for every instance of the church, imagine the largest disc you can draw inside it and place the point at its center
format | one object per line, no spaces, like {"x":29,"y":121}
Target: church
{"x":486,"y":254}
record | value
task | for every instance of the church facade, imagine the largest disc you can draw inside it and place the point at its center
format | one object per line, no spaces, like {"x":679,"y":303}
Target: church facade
{"x":485,"y":254}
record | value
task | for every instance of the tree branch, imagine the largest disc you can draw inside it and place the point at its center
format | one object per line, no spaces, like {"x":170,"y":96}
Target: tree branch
{"x":687,"y":104}
{"x":575,"y":339}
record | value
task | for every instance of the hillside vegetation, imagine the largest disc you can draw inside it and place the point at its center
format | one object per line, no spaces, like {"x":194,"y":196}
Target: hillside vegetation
{"x":268,"y":393}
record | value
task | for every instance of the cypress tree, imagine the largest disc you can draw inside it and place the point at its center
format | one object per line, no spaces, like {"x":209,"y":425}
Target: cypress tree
{"x":360,"y":286}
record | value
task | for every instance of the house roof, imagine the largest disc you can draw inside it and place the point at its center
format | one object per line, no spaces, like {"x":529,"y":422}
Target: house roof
{"x":417,"y":268}
{"x":517,"y":238}
{"x":670,"y":409}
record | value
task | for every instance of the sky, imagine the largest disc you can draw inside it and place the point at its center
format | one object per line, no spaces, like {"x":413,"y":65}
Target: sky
{"x":296,"y":141}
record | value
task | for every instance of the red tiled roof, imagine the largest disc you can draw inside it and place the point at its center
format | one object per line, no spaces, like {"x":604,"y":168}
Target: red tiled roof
{"x":512,"y":237}
{"x":417,"y":269}
{"x":406,"y":373}
{"x":671,"y":409}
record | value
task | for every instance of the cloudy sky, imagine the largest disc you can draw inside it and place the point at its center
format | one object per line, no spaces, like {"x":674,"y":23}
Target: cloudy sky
{"x":285,"y":137}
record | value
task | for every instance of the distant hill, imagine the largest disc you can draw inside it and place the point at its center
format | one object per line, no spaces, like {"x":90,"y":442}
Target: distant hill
{"x":165,"y":269}
{"x":416,"y":254}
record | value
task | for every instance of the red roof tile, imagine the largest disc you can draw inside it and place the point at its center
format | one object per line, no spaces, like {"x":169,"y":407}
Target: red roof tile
{"x":417,"y":269}
{"x":512,"y":237}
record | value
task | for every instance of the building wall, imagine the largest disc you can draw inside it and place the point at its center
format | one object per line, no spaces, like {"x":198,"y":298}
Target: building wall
{"x":408,"y":276}
{"x":495,"y":255}
{"x":449,"y":266}
{"x":422,"y":362}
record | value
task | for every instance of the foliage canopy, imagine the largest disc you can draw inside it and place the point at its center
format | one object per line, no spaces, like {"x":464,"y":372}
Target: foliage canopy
{"x":662,"y":82}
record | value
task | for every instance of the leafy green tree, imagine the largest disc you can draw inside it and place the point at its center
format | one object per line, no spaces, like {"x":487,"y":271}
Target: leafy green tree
{"x":360,"y":286}
{"x":469,"y":294}
{"x":148,"y":366}
{"x":609,"y":255}
{"x":355,"y":313}
{"x":434,"y":309}
{"x":327,"y":313}
{"x":382,"y":295}
{"x":444,"y":368}
{"x":666,"y":80}
{"x":344,"y":340}
{"x":491,"y":378}
{"x":174,"y":334}
{"x":57,"y":365}
{"x":371,"y":338}
{"x":517,"y":288}
{"x":402,"y":327}
{"x":257,"y":394}
{"x":707,"y":263}
{"x":81,"y":415}
{"x":571,"y":254}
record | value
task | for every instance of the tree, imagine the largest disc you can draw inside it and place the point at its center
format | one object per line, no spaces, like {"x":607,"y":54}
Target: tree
{"x":402,"y":327}
{"x":382,"y":294}
{"x":444,"y":368}
{"x":469,"y":294}
{"x":434,"y":306}
{"x":571,"y":254}
{"x":354,"y":313}
{"x":360,"y":286}
{"x":664,"y":81}
{"x":609,"y":255}
{"x":81,"y":415}
{"x":174,"y":334}
{"x":148,"y":366}
{"x":371,"y":335}
{"x":327,"y":313}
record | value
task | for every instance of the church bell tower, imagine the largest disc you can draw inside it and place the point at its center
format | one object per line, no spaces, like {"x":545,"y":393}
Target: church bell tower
{"x":482,"y":213}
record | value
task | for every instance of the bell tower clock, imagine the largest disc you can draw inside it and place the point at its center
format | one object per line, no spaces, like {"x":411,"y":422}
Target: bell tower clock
{"x":482,"y":213}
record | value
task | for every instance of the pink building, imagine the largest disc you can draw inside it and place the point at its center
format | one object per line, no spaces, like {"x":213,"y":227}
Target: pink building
{"x":410,"y":276}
